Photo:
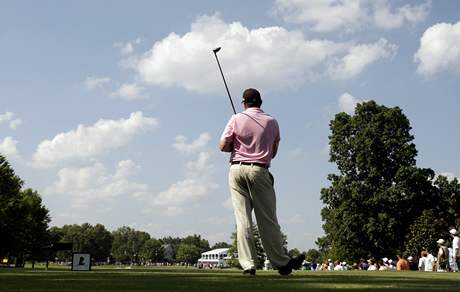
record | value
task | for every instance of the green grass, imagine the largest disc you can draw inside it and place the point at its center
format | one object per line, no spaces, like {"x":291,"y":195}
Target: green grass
{"x":191,"y":279}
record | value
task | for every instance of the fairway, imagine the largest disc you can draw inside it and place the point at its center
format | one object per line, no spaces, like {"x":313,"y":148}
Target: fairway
{"x":191,"y":279}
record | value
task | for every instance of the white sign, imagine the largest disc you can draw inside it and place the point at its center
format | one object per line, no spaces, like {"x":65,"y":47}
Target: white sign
{"x":81,"y":262}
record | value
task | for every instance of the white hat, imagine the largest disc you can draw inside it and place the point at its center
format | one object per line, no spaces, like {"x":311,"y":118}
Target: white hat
{"x":390,"y":261}
{"x":329,"y":260}
{"x":385,"y":259}
{"x":453,"y":231}
{"x":410,"y":258}
{"x":344,"y":263}
{"x":440,"y":241}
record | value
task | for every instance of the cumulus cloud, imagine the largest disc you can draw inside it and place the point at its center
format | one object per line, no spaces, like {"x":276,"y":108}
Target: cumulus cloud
{"x":267,"y":57}
{"x":349,"y":15}
{"x":10,"y":119}
{"x":93,"y":184}
{"x":129,"y":91}
{"x":196,"y":184}
{"x":347,"y":103}
{"x":181,"y":143}
{"x":8,"y":148}
{"x":385,"y":18}
{"x":91,"y":141}
{"x":439,"y":49}
{"x":92,"y":82}
{"x":322,"y":15}
{"x":361,"y":56}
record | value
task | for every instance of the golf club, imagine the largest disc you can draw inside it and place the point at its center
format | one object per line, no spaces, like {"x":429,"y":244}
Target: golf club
{"x":226,"y":87}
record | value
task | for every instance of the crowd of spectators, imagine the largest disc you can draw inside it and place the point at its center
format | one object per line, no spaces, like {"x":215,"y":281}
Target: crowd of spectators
{"x":447,"y":259}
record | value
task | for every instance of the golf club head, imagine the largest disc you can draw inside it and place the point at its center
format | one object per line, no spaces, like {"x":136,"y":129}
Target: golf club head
{"x":216,"y":50}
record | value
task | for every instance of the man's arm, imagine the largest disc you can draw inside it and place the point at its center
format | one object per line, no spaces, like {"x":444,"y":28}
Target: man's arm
{"x":225,"y":146}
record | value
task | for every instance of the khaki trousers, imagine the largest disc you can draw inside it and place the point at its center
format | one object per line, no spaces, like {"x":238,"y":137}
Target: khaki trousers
{"x":251,"y":188}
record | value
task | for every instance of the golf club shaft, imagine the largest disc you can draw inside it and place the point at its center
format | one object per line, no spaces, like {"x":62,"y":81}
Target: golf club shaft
{"x":226,"y":87}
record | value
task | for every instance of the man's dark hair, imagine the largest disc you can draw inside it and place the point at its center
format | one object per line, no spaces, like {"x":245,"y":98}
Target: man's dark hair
{"x":251,"y":97}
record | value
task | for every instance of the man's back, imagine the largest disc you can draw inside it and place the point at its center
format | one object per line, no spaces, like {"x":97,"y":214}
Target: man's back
{"x":253,"y":134}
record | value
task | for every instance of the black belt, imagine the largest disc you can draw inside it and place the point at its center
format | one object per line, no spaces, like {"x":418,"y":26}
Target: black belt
{"x":249,"y":163}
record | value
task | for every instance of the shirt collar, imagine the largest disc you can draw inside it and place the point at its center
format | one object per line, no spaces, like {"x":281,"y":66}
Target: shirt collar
{"x":254,"y":110}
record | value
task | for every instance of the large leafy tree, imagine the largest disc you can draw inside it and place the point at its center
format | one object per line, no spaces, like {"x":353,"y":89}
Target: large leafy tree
{"x":379,"y":191}
{"x":10,"y":187}
{"x":128,"y":244}
{"x":23,"y":218}
{"x":152,"y":251}
{"x":188,"y":253}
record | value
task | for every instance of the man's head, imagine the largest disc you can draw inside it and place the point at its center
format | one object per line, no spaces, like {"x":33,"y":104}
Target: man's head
{"x":440,"y":241}
{"x":251,"y":98}
{"x":453,"y":232}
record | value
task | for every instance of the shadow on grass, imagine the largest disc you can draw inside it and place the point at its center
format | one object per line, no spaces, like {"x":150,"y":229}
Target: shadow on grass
{"x":190,"y":280}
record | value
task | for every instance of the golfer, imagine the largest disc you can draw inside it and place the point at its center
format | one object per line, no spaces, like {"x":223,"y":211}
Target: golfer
{"x":252,"y":137}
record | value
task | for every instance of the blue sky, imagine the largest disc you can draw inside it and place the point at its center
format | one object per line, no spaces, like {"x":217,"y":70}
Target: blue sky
{"x":113,"y":109}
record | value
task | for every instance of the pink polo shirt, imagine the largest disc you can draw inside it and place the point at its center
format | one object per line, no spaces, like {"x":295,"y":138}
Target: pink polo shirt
{"x":253,"y":134}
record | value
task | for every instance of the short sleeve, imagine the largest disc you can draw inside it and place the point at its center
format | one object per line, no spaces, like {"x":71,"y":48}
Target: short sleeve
{"x":227,"y":135}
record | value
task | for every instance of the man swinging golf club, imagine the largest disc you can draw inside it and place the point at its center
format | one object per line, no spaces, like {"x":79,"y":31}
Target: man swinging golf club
{"x":252,"y":138}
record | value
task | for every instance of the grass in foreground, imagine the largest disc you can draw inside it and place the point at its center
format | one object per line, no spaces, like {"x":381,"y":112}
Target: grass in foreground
{"x":190,"y":280}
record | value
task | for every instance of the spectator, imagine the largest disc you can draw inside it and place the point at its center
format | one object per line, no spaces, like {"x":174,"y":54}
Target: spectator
{"x":364,"y":265}
{"x":443,"y":256}
{"x":382,"y":265}
{"x":372,"y":265}
{"x":402,"y":264}
{"x":426,"y":262}
{"x":412,"y":264}
{"x":455,"y":248}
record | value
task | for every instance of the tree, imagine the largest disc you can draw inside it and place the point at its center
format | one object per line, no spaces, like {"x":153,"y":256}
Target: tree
{"x":23,"y":218}
{"x":313,"y":255}
{"x":294,"y":252}
{"x":196,"y":240}
{"x":10,"y":217}
{"x":188,"y":253}
{"x":152,"y":251}
{"x":128,"y":244}
{"x":424,"y":233}
{"x":221,"y":245}
{"x":95,"y":240}
{"x":34,"y":235}
{"x":379,"y":191}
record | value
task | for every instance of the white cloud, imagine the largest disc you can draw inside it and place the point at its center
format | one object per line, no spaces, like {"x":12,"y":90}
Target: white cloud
{"x":439,"y":49}
{"x":322,"y":15}
{"x":129,"y":91}
{"x":128,"y":47}
{"x":269,"y":57}
{"x":196,"y":184}
{"x":8,"y":148}
{"x":407,"y":14}
{"x":347,"y":103}
{"x":96,"y":82}
{"x":361,"y":56}
{"x":9,"y":118}
{"x":91,"y":141}
{"x":196,"y":145}
{"x":92,"y":185}
{"x":349,"y":15}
